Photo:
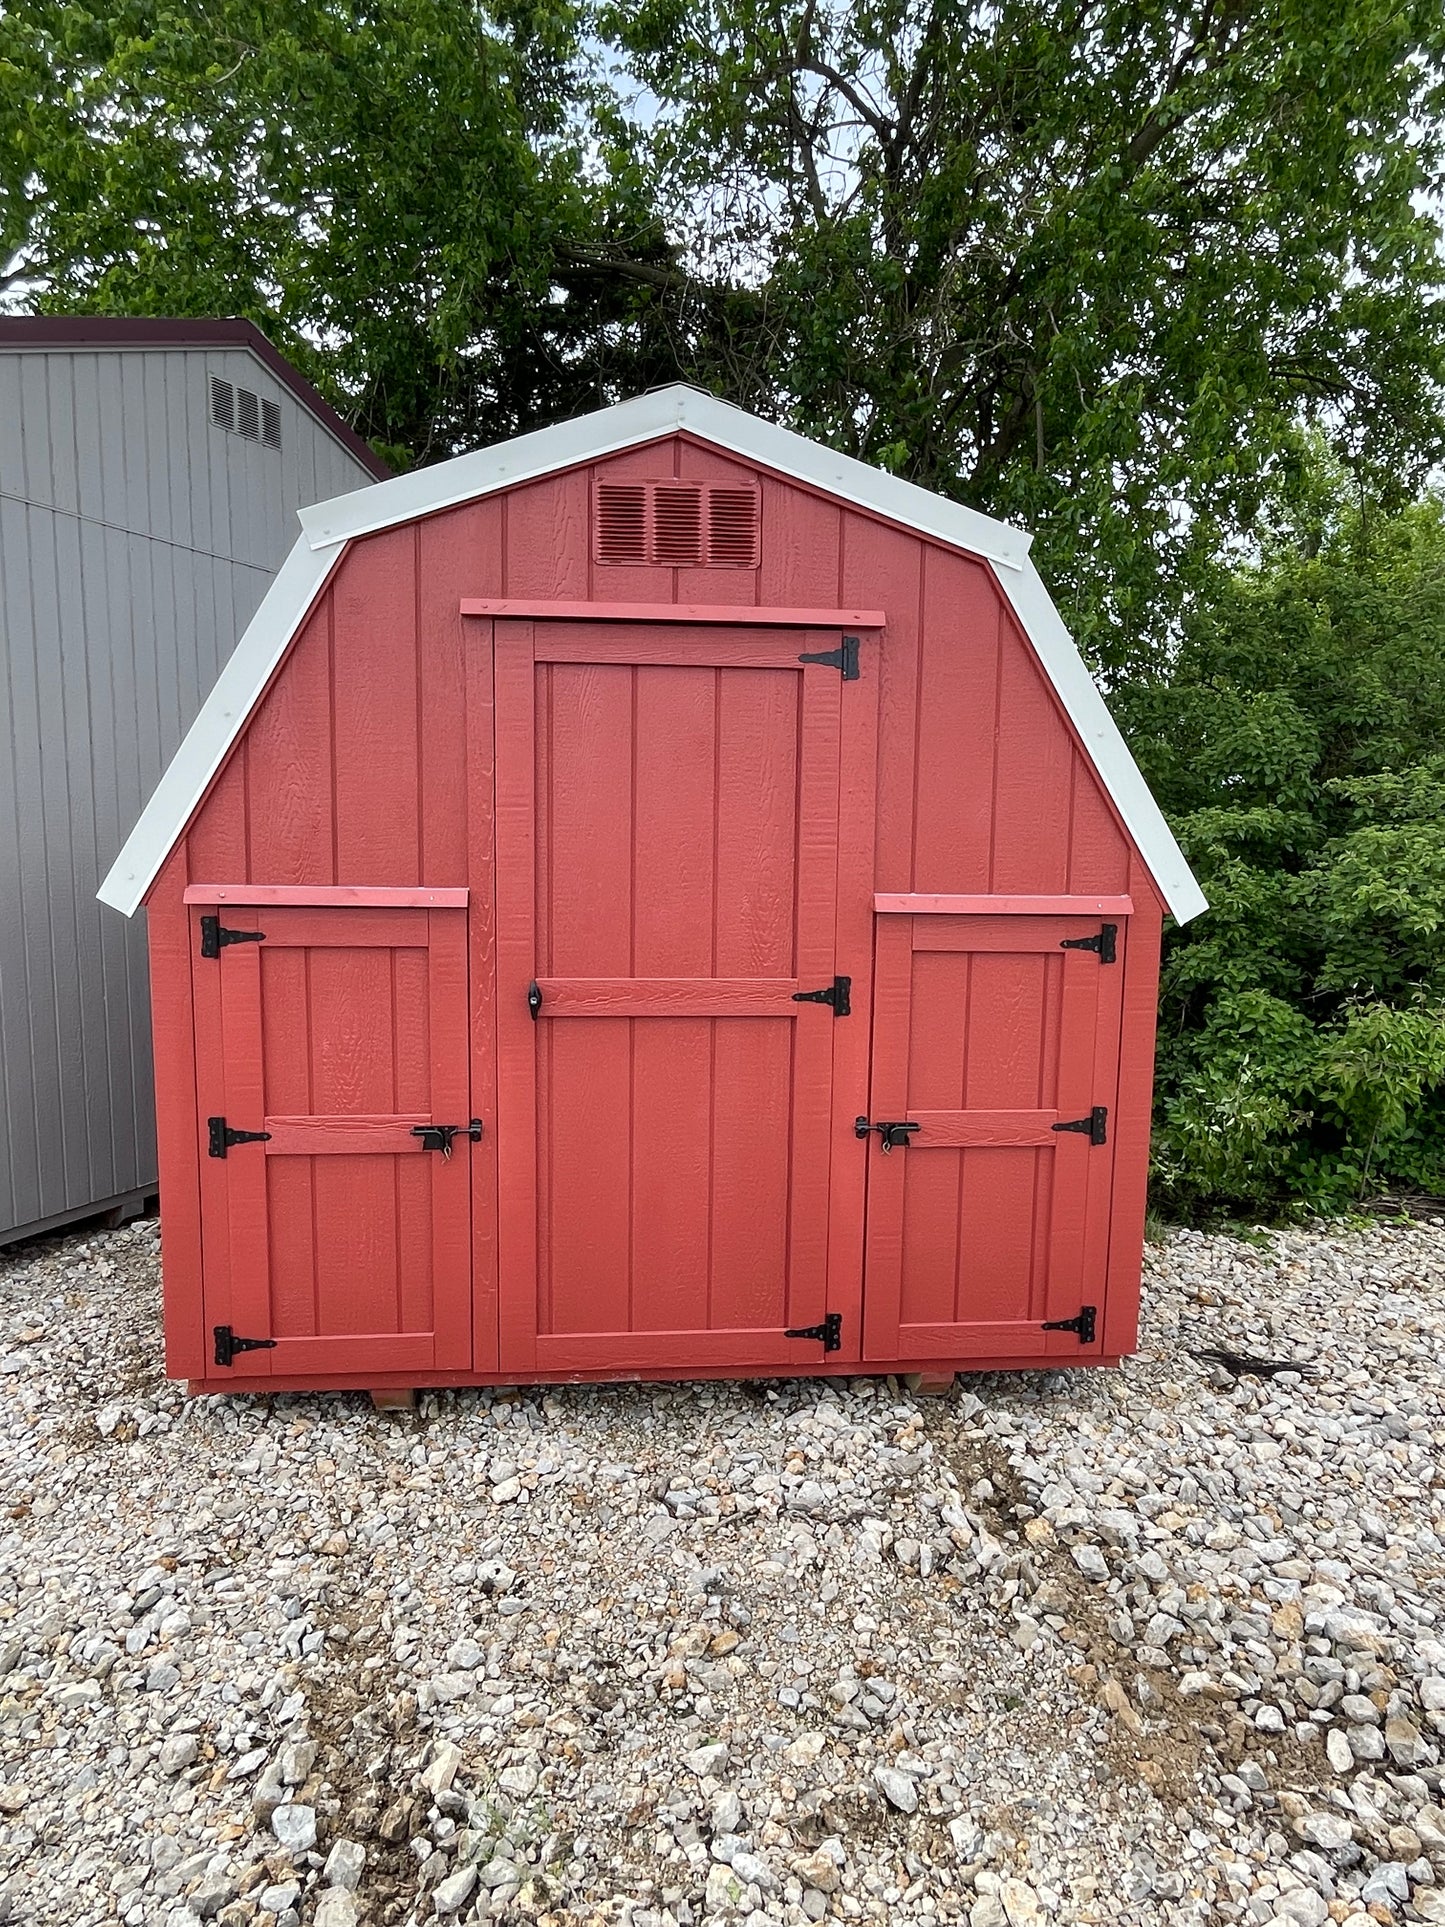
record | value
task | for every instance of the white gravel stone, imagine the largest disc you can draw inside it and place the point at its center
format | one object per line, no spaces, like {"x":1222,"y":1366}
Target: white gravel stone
{"x":337,"y":1907}
{"x":294,"y":1826}
{"x":899,"y":1789}
{"x":453,"y":1893}
{"x":344,"y":1865}
{"x":1158,"y":1646}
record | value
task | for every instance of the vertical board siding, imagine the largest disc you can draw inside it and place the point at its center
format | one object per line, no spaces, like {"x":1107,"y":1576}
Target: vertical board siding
{"x":135,"y":542}
{"x":661,"y":811}
{"x":674,"y":854}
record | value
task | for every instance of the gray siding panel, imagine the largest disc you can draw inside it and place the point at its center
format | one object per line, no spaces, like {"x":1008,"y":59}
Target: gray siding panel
{"x":136,"y":540}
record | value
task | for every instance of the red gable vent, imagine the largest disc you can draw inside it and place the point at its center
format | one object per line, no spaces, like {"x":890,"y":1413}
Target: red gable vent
{"x":679,"y":525}
{"x":622,"y":522}
{"x":732,"y":527}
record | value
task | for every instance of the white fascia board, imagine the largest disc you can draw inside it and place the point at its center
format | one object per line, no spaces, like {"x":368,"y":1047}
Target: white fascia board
{"x":237,"y":690}
{"x":426,"y":490}
{"x":1105,"y":747}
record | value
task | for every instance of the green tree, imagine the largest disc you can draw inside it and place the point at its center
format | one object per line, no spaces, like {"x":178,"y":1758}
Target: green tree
{"x":1086,"y":263}
{"x":402,"y":195}
{"x":1298,"y":745}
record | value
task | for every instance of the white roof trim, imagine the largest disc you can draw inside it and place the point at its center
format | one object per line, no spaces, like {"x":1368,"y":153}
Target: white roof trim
{"x":222,"y":715}
{"x":1099,"y":734}
{"x":424,"y":491}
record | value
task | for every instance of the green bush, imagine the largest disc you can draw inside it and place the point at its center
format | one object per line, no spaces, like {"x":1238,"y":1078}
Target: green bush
{"x":1297,"y":745}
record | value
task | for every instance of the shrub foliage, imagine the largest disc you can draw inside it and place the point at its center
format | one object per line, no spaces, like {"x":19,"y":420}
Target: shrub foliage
{"x":1297,"y":744}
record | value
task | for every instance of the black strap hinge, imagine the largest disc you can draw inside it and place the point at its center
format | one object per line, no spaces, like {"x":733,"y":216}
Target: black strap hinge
{"x":222,"y":1137}
{"x":438,"y":1137}
{"x":844,"y":659}
{"x":1095,"y":1127}
{"x":1084,"y":1324}
{"x":215,"y":936}
{"x":1104,"y":943}
{"x":830,"y":1331}
{"x":227,"y":1344}
{"x":838,"y":994}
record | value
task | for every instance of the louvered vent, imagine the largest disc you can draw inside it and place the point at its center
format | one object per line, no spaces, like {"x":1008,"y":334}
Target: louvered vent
{"x":679,"y":525}
{"x":240,"y":411}
{"x":732,"y":527}
{"x":223,"y":403}
{"x":622,"y":522}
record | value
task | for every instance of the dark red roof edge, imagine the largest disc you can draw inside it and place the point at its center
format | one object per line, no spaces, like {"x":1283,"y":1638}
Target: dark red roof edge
{"x":139,"y":331}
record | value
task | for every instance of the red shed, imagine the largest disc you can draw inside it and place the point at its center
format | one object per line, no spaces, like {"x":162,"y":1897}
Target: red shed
{"x":654,"y":899}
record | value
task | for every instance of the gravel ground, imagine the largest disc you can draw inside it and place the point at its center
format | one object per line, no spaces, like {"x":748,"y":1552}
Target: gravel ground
{"x":1138,"y":1647}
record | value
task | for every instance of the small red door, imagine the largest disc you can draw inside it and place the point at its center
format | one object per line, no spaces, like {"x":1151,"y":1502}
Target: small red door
{"x":998,"y":1039}
{"x":337,"y":1235}
{"x":667,"y":853}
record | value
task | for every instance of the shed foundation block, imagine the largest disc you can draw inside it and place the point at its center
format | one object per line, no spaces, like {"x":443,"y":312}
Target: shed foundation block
{"x":929,"y":1384}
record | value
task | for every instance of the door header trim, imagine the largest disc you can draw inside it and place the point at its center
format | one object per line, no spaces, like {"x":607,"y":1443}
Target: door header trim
{"x":740,"y":614}
{"x":325,"y":896}
{"x":901,"y":903}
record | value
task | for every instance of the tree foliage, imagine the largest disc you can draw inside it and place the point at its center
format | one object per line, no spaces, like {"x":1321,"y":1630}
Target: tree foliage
{"x":1119,"y":269}
{"x":1087,"y":263}
{"x":399,"y":194}
{"x":1298,"y":745}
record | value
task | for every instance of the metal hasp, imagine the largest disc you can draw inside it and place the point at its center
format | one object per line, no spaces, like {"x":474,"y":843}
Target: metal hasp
{"x":838,"y":994}
{"x":222,"y":1137}
{"x":1084,"y":1324}
{"x":227,"y":1344}
{"x":438,"y":1137}
{"x":830,"y":1331}
{"x":1104,"y":943}
{"x":215,"y":937}
{"x":534,"y":1000}
{"x":1095,"y":1126}
{"x":895,"y":1134}
{"x":845,"y":659}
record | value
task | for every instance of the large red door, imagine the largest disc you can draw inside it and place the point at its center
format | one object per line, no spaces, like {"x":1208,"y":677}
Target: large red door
{"x":335,"y":1236}
{"x":996,"y":1038}
{"x":667,"y":856}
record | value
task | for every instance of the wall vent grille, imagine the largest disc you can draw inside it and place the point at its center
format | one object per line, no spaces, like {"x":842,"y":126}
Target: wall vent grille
{"x":223,"y":403}
{"x":240,"y":411}
{"x":679,"y":525}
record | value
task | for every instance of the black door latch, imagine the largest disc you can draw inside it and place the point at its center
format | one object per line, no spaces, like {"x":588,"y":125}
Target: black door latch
{"x":227,"y":1344}
{"x":438,"y":1137}
{"x":830,"y":1331}
{"x":534,"y":1000}
{"x":895,"y":1134}
{"x":838,"y":994}
{"x":1095,"y":1127}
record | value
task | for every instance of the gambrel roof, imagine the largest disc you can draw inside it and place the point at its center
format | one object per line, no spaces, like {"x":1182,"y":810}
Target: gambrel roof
{"x":327,"y":527}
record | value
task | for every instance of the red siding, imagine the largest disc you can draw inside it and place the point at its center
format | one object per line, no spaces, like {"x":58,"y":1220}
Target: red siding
{"x":368,"y":761}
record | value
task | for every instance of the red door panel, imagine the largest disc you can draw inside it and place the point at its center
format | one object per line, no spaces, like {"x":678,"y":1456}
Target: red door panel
{"x":346,"y":1242}
{"x":989,"y":1223}
{"x":667,"y":854}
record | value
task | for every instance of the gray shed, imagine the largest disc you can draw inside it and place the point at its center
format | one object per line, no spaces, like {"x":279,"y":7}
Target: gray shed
{"x":149,"y":476}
